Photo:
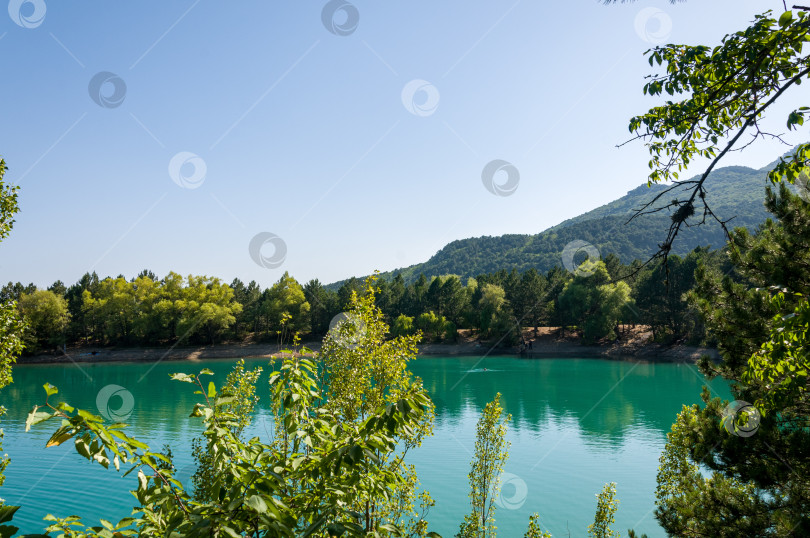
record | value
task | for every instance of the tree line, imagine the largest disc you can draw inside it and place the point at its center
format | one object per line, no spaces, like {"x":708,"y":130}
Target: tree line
{"x":595,"y":301}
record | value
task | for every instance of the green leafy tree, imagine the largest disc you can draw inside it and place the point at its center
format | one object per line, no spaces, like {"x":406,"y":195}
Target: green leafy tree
{"x":724,"y":92}
{"x":319,"y":300}
{"x":199,"y":309}
{"x":391,"y":295}
{"x":286,"y":300}
{"x":112,"y":307}
{"x":592,"y":302}
{"x":606,"y":505}
{"x":13,"y":291}
{"x":415,"y":299}
{"x":12,"y":327}
{"x":241,"y":385}
{"x":491,"y":305}
{"x":450,"y":331}
{"x":344,"y":293}
{"x":534,"y":530}
{"x":206,"y":308}
{"x":403,"y":326}
{"x":756,"y":316}
{"x":557,"y":279}
{"x":491,"y":453}
{"x":737,"y":304}
{"x":305,"y":487}
{"x":364,"y":370}
{"x":431,"y":325}
{"x":782,"y":365}
{"x":529,"y":300}
{"x":249,"y":297}
{"x":47,"y":316}
{"x":453,"y":298}
{"x":660,"y":297}
{"x":691,"y":505}
{"x":81,"y":324}
{"x":154,"y":311}
{"x":8,"y":203}
{"x":58,"y":288}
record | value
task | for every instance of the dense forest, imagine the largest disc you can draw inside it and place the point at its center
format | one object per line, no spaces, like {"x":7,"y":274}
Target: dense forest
{"x":594,"y":300}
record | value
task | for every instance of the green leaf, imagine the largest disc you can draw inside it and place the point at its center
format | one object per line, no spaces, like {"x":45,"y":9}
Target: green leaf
{"x":7,"y":513}
{"x":224,"y":400}
{"x":230,"y":532}
{"x":785,"y":19}
{"x":60,"y":436}
{"x":314,"y":527}
{"x":87,"y":415}
{"x":142,"y":481}
{"x":257,"y":503}
{"x":212,"y":389}
{"x":185,"y":378}
{"x":82,"y":448}
{"x":50,"y":390}
{"x":35,"y":417}
{"x":62,"y":406}
{"x":355,"y":453}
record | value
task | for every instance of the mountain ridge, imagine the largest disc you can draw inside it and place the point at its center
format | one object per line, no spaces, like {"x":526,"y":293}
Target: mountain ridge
{"x":733,"y":192}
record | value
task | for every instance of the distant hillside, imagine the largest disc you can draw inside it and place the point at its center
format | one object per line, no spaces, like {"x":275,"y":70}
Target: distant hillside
{"x":734,"y":191}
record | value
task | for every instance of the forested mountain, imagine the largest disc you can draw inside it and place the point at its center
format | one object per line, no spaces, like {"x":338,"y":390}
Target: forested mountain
{"x":734,"y":192}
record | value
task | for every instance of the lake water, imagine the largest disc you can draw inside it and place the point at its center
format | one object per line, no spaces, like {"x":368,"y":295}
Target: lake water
{"x":576,"y":424}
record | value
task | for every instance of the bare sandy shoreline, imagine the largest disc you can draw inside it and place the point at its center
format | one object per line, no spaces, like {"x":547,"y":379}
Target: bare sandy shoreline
{"x":540,"y":349}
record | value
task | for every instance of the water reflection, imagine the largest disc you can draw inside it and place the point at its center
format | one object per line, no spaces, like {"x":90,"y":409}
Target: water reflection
{"x":576,"y":424}
{"x":541,"y":393}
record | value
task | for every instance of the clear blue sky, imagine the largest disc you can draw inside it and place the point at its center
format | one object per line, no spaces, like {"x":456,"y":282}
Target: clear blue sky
{"x":305,"y":134}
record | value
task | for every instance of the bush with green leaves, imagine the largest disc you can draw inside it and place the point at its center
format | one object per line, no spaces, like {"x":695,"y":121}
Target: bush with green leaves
{"x":606,"y":506}
{"x":491,"y":453}
{"x":47,"y":316}
{"x":594,"y":303}
{"x":335,"y":467}
{"x":364,"y":369}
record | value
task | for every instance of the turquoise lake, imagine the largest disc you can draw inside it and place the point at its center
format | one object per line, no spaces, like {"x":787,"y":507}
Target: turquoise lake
{"x":576,"y":424}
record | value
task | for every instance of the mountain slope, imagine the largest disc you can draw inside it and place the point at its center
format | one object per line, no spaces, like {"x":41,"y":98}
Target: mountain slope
{"x":733,"y":192}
